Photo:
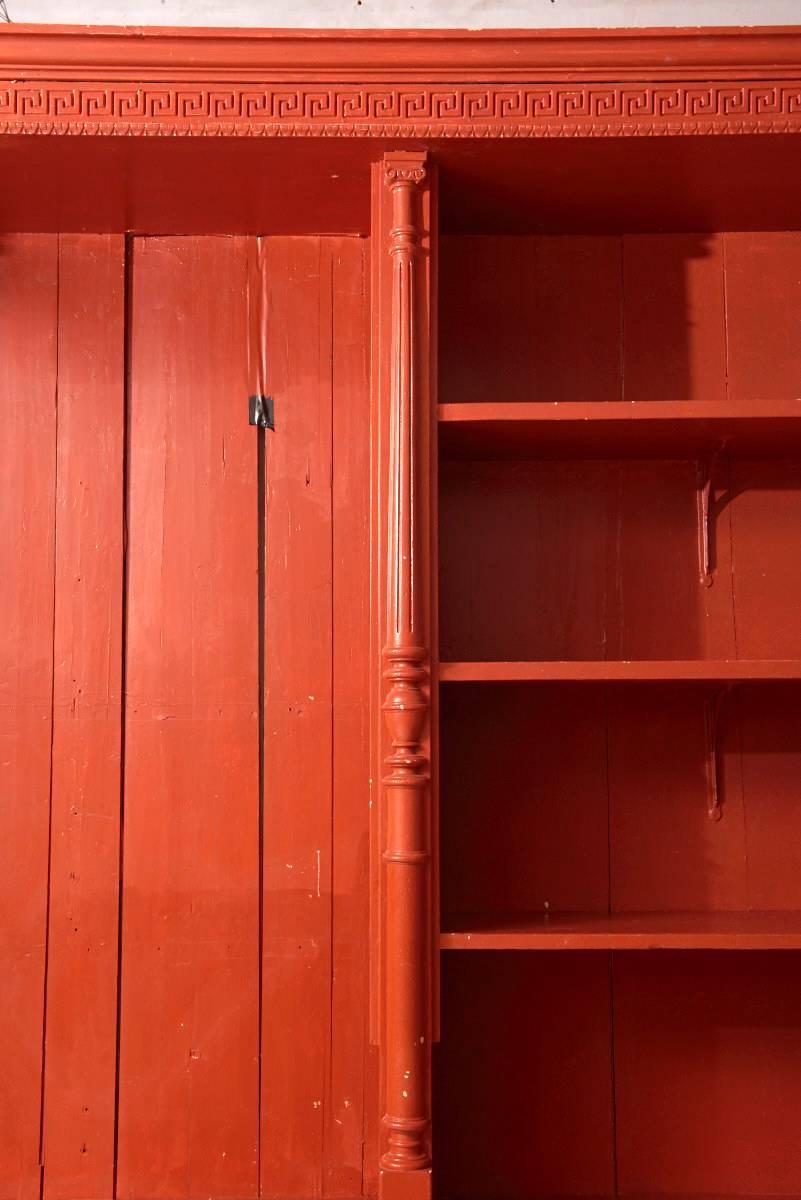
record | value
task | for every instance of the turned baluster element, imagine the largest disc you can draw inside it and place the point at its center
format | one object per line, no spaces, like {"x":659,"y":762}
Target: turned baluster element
{"x":405,"y":663}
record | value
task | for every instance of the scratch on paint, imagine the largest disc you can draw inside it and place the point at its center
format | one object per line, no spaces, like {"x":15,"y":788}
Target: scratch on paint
{"x":318,"y":874}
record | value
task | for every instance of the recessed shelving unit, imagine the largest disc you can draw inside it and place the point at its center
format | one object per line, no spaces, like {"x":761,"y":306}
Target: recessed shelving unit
{"x":620,"y":739}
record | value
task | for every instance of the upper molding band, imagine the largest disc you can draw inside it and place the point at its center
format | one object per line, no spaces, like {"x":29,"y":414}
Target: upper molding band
{"x":469,"y":111}
{"x":607,"y":83}
{"x":117,"y":54}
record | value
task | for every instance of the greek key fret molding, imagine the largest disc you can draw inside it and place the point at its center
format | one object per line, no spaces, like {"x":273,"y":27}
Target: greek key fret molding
{"x":450,"y":110}
{"x":405,"y":665}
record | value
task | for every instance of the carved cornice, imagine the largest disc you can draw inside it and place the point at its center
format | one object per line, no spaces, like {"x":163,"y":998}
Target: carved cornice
{"x":419,"y":111}
{"x":80,"y":81}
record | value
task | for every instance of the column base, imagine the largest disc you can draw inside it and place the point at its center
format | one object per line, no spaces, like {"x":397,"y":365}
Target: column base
{"x":404,"y":1185}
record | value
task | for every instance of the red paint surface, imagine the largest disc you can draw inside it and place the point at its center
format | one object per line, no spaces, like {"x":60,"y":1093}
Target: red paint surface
{"x":609,"y":813}
{"x":591,"y":1074}
{"x":314,"y":1013}
{"x":189,"y":1038}
{"x":660,"y":317}
{"x":582,"y":652}
{"x":81,"y":1015}
{"x":707,"y":1078}
{"x":182,"y":619}
{"x":523,"y":1105}
{"x":28,"y":312}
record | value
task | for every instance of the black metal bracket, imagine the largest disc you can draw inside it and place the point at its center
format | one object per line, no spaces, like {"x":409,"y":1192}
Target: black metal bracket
{"x":261,"y":412}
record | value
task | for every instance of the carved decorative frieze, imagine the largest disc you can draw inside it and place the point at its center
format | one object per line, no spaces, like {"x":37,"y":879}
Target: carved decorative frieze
{"x":398,"y":111}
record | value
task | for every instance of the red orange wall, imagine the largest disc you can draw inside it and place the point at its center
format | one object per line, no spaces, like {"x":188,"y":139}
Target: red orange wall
{"x":182,"y":1014}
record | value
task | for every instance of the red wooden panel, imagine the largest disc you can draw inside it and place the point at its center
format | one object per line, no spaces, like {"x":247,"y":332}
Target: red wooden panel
{"x":81,"y":1028}
{"x":658,"y":607}
{"x":666,"y":853}
{"x":763,"y":306}
{"x":765,"y":517}
{"x":539,"y":753}
{"x":523,"y":1084}
{"x":529,"y":319}
{"x":707,"y":1073}
{"x":674,"y":318}
{"x":765,"y":725}
{"x":28,"y":305}
{"x":188,"y":1117}
{"x":523,"y":558}
{"x":597,"y":560}
{"x":344,"y":1132}
{"x":296,"y":1028}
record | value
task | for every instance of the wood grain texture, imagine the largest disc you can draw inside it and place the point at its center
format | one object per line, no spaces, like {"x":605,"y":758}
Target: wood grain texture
{"x":653,"y":318}
{"x":543,"y":750}
{"x":81,"y":1016}
{"x":707,"y":1072}
{"x":348,"y":1160}
{"x":763,"y":308}
{"x":28,"y":315}
{"x":530,"y":319}
{"x":189,"y":1038}
{"x":604,"y":797}
{"x":674,"y":318}
{"x":523,"y":1105}
{"x":296,"y":1028}
{"x":610,"y":550}
{"x":600,"y":561}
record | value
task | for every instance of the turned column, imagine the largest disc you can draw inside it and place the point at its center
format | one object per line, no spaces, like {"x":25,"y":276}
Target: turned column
{"x":403,"y":380}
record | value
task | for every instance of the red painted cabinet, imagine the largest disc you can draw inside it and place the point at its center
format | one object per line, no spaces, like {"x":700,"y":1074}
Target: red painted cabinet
{"x":402,"y":795}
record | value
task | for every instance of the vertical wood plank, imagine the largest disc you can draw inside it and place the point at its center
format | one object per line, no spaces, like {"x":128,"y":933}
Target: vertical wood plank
{"x":708,"y":1073}
{"x":530,"y":319}
{"x":763,"y":310}
{"x":666,"y":854}
{"x":544,"y":529}
{"x":298,"y":741}
{"x":523,"y":1100}
{"x":28,"y":311}
{"x":188,"y":1105}
{"x":543,"y":749}
{"x":81,"y":1020}
{"x":674,"y":318}
{"x":765,"y":516}
{"x":351,"y":639}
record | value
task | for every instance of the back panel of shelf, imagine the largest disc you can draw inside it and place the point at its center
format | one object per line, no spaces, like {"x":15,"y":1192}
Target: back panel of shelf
{"x":630,"y":1074}
{"x":601,"y":1073}
{"x":603,"y":559}
{"x":643,"y":317}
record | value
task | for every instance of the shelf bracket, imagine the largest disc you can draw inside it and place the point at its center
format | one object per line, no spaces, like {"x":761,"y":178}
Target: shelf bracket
{"x":712,"y":715}
{"x":704,"y":495}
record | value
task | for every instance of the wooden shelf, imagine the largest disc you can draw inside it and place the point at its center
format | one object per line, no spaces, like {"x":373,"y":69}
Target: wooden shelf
{"x":626,"y":931}
{"x":651,"y":429}
{"x":691,"y":670}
